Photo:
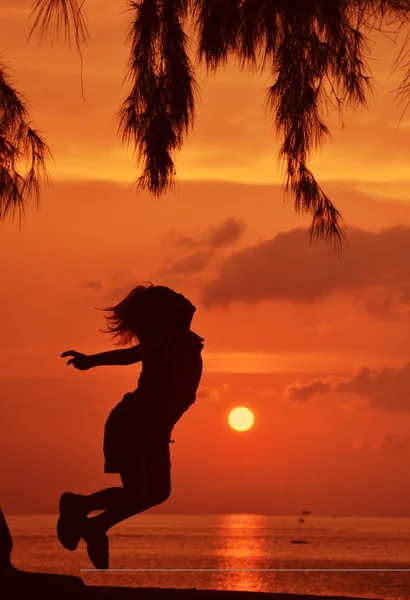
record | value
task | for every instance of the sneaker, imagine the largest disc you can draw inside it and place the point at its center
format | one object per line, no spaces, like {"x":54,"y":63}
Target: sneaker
{"x":97,"y":546}
{"x":69,"y":521}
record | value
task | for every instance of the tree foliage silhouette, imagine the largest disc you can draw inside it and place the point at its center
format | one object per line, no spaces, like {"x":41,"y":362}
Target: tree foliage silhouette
{"x":23,"y":153}
{"x":314,"y":49}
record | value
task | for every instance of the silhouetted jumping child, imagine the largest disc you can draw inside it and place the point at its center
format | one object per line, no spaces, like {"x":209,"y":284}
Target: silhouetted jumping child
{"x":138,"y":430}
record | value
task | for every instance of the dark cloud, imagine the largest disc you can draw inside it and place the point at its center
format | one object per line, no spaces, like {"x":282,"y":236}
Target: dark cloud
{"x":287,"y":267}
{"x":119,"y":292}
{"x":184,"y":241}
{"x":214,"y":394}
{"x":362,"y":444}
{"x":304,"y":392}
{"x":388,"y":441}
{"x":386,"y":389}
{"x":121,"y":283}
{"x":226,"y":233}
{"x":193,"y":263}
{"x":217,"y":236}
{"x":392,"y":441}
{"x":381,"y":303}
{"x":92,"y":285}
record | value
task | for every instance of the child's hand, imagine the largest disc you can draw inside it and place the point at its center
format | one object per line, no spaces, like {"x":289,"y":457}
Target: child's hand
{"x":79,"y":361}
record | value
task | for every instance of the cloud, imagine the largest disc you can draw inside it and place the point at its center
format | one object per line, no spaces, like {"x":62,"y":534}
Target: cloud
{"x":214,"y":394}
{"x":362,"y":444}
{"x":225,"y":234}
{"x":216,"y":236}
{"x":392,"y":441}
{"x":120,"y":284}
{"x":193,"y":263}
{"x":388,"y":442}
{"x":379,"y":303}
{"x":204,"y":247}
{"x":92,"y":285}
{"x":118,"y":293}
{"x":287,"y":267}
{"x":304,"y":392}
{"x":386,"y":389}
{"x":186,"y":242}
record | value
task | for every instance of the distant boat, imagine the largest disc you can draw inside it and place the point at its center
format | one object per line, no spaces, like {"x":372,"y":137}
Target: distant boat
{"x":305,"y":512}
{"x":301,"y":520}
{"x":299,"y":542}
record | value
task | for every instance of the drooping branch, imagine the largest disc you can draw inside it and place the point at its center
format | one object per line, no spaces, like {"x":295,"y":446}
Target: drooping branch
{"x":217,"y":29}
{"x":314,"y":48}
{"x":56,"y":16}
{"x":23,"y":153}
{"x":159,"y":110}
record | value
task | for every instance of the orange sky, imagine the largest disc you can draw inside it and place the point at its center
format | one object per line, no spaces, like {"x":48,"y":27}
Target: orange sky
{"x":317,"y":346}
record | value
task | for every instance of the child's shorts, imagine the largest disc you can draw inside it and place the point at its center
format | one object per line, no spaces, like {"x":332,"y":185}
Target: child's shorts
{"x":130,"y":446}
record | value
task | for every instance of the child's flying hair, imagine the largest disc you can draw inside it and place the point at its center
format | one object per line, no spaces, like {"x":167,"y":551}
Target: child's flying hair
{"x":148,"y":311}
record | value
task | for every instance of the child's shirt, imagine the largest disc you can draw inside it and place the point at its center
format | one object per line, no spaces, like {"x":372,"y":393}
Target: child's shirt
{"x":171,"y":372}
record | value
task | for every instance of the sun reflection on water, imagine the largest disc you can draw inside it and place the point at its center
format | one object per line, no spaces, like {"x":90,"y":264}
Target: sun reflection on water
{"x":242,"y":545}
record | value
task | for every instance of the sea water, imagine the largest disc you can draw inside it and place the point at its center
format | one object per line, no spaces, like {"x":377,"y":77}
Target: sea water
{"x":345,"y":556}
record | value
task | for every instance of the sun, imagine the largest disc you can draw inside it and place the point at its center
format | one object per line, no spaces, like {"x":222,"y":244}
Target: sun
{"x":241,"y":418}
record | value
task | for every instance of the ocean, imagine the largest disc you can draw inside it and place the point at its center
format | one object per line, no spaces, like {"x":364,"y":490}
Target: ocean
{"x":361,"y":557}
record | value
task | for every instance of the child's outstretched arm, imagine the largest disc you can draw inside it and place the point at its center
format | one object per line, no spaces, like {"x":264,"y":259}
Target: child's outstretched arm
{"x":125,"y":356}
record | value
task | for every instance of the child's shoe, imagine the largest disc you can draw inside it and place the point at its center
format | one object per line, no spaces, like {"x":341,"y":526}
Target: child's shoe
{"x":70,"y":520}
{"x":97,"y":545}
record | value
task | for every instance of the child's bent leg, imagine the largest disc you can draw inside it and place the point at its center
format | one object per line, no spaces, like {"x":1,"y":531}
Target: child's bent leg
{"x":122,"y":503}
{"x":134,"y":490}
{"x":102,"y":500}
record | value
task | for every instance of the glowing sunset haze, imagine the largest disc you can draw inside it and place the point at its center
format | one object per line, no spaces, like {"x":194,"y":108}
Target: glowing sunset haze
{"x":315,"y":345}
